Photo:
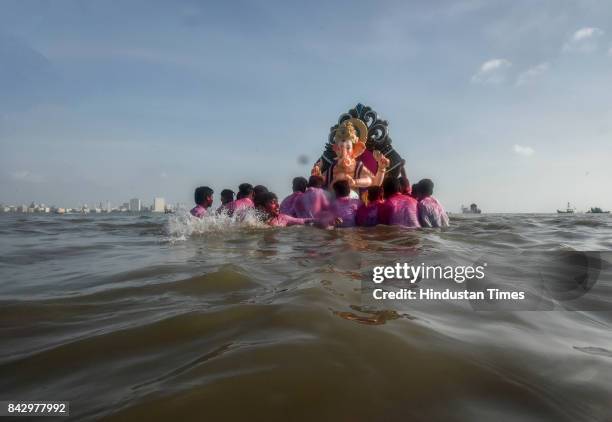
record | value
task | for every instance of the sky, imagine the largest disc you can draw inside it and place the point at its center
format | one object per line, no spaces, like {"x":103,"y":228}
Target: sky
{"x":506,"y":104}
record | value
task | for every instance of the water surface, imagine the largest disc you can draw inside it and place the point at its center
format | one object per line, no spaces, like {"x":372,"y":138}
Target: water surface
{"x":154,"y":317}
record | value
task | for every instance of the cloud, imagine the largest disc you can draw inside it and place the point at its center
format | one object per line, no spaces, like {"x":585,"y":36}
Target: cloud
{"x":492,"y":72}
{"x":583,"y":40}
{"x":26,"y":176}
{"x":523,"y":150}
{"x":532,"y":73}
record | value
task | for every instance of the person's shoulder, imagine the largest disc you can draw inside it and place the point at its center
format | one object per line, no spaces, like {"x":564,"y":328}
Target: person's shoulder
{"x":408,"y":198}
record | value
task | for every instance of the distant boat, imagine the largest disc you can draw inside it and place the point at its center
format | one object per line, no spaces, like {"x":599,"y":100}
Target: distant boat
{"x":597,"y":210}
{"x":473,"y":209}
{"x":568,"y":210}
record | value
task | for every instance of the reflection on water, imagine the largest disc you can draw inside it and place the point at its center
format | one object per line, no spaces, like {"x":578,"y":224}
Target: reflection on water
{"x":157,"y":318}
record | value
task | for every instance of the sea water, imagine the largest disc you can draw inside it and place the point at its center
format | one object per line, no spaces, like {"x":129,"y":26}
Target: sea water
{"x":161,"y":317}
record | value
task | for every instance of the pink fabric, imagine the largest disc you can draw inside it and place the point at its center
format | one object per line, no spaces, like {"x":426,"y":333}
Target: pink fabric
{"x":239,"y":204}
{"x":311,"y":203}
{"x":367,"y":158}
{"x":431,"y":213}
{"x":283,"y":220}
{"x":198,"y":211}
{"x":399,"y":210}
{"x":288,"y":204}
{"x":367,"y":215}
{"x":346,"y":209}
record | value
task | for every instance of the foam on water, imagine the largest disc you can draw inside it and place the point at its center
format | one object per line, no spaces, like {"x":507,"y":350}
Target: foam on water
{"x":182,"y":224}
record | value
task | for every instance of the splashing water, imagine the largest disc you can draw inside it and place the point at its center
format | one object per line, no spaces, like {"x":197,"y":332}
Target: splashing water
{"x":182,"y":224}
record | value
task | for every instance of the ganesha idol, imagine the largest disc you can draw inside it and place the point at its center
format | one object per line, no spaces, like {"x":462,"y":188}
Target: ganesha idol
{"x":349,"y":144}
{"x":359,"y":151}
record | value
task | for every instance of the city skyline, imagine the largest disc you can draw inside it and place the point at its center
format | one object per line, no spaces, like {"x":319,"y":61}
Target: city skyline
{"x":134,"y":205}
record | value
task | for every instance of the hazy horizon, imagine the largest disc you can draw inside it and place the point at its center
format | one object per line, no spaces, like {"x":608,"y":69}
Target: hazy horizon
{"x":505,"y":104}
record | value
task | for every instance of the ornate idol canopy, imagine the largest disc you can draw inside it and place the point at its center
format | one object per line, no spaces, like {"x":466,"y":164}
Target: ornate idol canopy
{"x":377,"y":138}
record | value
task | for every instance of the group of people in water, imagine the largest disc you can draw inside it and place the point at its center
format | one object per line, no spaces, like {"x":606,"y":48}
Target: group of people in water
{"x":396,"y":202}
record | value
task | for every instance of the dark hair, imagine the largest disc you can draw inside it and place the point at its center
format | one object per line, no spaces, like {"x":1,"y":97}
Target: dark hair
{"x":227,"y":194}
{"x":316,"y":182}
{"x":244,"y":190}
{"x":404,"y":184}
{"x":375,"y":193}
{"x":258,"y":192}
{"x":391,"y":186}
{"x":425,"y":187}
{"x":415,"y":189}
{"x":299,"y":184}
{"x":264,"y":198}
{"x":201,"y":194}
{"x":342,"y":188}
{"x":260,"y":189}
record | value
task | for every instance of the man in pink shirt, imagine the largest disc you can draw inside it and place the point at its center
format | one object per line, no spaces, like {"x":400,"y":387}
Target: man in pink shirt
{"x":405,"y":187}
{"x":344,"y":207}
{"x":203,"y":198}
{"x":299,"y":187}
{"x":273,"y":216}
{"x":431,"y":212}
{"x":367,"y":215}
{"x":313,"y":201}
{"x":398,"y":209}
{"x":244,"y":199}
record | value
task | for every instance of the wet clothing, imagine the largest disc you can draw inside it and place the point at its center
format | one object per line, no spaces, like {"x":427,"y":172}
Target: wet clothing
{"x":367,"y":215}
{"x":239,"y":204}
{"x":431,"y":213}
{"x":198,"y":211}
{"x":399,"y":210}
{"x":288,"y":204}
{"x":346,"y":209}
{"x":283,"y":220}
{"x":311,"y":203}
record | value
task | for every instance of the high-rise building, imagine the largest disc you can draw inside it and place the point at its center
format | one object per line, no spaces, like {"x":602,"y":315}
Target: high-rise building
{"x":159,"y":205}
{"x":135,"y":205}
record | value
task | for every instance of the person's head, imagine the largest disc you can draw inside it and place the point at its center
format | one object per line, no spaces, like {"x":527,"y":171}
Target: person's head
{"x":315,"y":182}
{"x":203,"y":196}
{"x":375,"y":193}
{"x":414,"y":192}
{"x":342,"y":188}
{"x":245,"y":190}
{"x":258,"y":194}
{"x":269,"y":204}
{"x":259,"y":189}
{"x":425,"y":188}
{"x":405,"y":187}
{"x":300,"y":184}
{"x":227,"y":196}
{"x":391,"y":186}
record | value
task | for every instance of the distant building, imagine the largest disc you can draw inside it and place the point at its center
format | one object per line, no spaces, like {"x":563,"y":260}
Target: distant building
{"x":135,"y":205}
{"x":159,"y":205}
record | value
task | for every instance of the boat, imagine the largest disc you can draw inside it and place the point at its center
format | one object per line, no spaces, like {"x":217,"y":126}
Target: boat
{"x":568,"y":210}
{"x":597,"y":210}
{"x":473,"y":209}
